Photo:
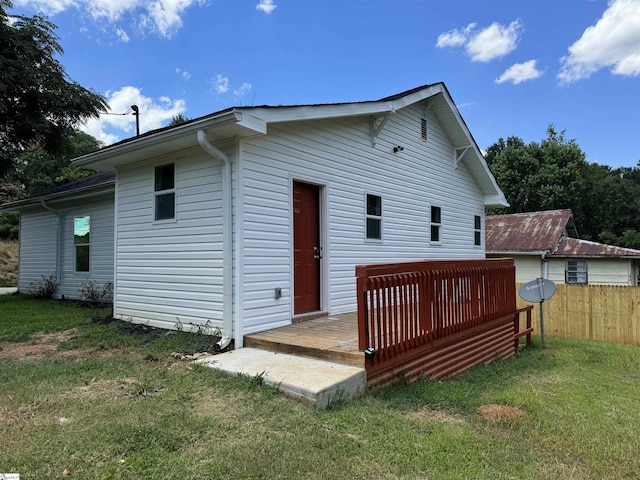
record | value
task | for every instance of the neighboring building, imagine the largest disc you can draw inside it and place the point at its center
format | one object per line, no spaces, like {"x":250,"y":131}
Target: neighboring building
{"x":68,"y":233}
{"x":542,"y":245}
{"x":253,"y":217}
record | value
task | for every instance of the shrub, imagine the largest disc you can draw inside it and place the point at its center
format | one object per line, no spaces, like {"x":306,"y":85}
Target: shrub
{"x":45,"y":288}
{"x":96,"y":294}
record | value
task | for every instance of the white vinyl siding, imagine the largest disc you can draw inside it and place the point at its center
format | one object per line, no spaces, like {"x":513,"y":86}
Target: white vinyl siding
{"x":38,"y":244}
{"x":601,"y":271}
{"x":169,"y":274}
{"x":338,"y":155}
{"x":37,"y":247}
{"x":101,"y":245}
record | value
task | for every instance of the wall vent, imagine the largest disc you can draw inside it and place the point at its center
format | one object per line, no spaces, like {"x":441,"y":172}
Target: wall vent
{"x":423,"y":128}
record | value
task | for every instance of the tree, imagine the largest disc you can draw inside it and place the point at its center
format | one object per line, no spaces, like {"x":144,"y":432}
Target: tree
{"x":40,"y":106}
{"x":541,"y":176}
{"x":37,"y":171}
{"x":554,"y":174}
{"x":178,"y":119}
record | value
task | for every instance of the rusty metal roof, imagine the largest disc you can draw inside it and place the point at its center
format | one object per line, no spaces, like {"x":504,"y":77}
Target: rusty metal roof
{"x":527,"y":232}
{"x":574,"y":247}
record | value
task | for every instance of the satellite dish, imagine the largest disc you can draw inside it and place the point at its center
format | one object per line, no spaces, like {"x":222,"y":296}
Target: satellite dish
{"x":537,"y":290}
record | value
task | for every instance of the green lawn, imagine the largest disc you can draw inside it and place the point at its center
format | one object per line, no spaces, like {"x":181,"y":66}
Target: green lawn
{"x":109,"y":401}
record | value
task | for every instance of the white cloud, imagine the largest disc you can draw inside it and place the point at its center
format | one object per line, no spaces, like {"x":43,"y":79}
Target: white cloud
{"x":48,"y":7}
{"x":122,"y":35}
{"x":243,"y":90}
{"x":161,"y":16}
{"x":455,"y":37}
{"x":492,"y":42}
{"x":495,"y":41}
{"x":520,"y":72}
{"x":267,"y":6}
{"x":221,"y":83}
{"x":183,"y":73}
{"x":613,"y":42}
{"x":109,"y":128}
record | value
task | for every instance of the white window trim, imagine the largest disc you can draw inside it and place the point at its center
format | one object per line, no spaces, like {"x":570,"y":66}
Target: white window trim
{"x":166,"y":192}
{"x":433,"y":224}
{"x":376,"y":217}
{"x":586,"y":272}
{"x":75,"y":249}
{"x":475,"y":230}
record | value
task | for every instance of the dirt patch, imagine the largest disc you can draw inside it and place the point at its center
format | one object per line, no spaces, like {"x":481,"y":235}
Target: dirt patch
{"x":43,"y":345}
{"x":116,"y":388}
{"x":437,"y":415}
{"x":499,"y":413}
{"x":40,"y":345}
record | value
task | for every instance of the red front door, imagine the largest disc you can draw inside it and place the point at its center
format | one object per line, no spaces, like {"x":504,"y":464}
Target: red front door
{"x":306,"y":247}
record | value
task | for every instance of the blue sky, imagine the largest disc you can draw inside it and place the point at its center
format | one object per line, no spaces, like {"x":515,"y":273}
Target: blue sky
{"x":512,"y":67}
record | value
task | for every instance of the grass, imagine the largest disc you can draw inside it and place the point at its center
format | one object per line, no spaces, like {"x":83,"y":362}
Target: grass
{"x":8,"y":263}
{"x":109,"y":402}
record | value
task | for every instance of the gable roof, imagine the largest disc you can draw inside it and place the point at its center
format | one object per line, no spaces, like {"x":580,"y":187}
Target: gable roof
{"x":527,"y":232}
{"x":252,"y":121}
{"x":102,"y":181}
{"x":545,"y":232}
{"x":574,"y":247}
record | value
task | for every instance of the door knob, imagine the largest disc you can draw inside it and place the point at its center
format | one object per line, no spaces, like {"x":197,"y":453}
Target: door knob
{"x":317,"y":253}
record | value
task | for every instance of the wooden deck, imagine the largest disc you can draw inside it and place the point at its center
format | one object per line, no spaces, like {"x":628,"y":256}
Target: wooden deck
{"x":333,"y":338}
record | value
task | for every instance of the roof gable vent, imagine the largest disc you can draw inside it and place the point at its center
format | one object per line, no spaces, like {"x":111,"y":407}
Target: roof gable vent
{"x":423,"y":128}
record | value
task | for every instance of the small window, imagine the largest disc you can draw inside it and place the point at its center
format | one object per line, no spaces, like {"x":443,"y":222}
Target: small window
{"x":165,"y":193}
{"x":374,"y":217}
{"x":477,"y":231}
{"x":576,"y":271}
{"x":436,"y":224}
{"x":423,"y":129}
{"x":81,"y":241}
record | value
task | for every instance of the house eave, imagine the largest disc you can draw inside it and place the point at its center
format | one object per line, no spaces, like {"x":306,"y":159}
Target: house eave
{"x":530,"y":253}
{"x":228,"y":124}
{"x":91,"y":191}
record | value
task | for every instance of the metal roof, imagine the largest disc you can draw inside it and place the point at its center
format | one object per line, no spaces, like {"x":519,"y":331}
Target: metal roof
{"x":527,"y":232}
{"x":102,"y":180}
{"x":574,"y":247}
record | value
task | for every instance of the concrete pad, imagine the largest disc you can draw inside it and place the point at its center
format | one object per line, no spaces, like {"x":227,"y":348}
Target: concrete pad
{"x":314,"y":380}
{"x":7,"y":290}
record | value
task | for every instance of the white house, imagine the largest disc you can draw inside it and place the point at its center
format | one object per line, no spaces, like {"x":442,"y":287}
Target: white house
{"x":67,"y":234}
{"x":542,"y":244}
{"x":253,"y":217}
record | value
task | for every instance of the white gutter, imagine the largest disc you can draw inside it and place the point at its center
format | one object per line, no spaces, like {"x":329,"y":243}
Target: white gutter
{"x":58,"y":237}
{"x":227,"y":248}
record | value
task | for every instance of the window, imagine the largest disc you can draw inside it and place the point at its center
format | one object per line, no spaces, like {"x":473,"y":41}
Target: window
{"x":436,"y":224}
{"x":165,"y":193}
{"x":477,"y":231}
{"x":374,"y":217}
{"x":81,"y":237}
{"x":576,"y":271}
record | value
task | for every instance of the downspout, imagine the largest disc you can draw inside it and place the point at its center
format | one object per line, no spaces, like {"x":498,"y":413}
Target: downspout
{"x":545,"y":266}
{"x":227,"y":251}
{"x":58,"y":237}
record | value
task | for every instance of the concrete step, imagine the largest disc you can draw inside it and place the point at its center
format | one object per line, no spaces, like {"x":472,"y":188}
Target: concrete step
{"x":313,"y":380}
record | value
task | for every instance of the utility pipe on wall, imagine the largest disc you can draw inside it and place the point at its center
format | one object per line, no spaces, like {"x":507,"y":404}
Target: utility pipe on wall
{"x":58,"y":237}
{"x":227,"y":247}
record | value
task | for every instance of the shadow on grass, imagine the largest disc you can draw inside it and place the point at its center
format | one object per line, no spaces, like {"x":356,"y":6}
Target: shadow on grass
{"x":464,"y":392}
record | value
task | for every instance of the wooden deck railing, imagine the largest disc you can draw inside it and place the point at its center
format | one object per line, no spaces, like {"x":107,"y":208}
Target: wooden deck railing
{"x":406,"y":306}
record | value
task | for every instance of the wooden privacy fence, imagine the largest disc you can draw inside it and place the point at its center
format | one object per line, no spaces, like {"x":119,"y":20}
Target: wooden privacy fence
{"x":595,"y":312}
{"x":436,"y":318}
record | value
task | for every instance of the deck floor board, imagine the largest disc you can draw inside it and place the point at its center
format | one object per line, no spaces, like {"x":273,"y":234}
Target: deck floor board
{"x":333,"y":337}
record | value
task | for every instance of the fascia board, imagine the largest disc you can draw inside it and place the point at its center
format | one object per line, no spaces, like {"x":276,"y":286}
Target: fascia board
{"x":93,"y":190}
{"x":249,"y":125}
